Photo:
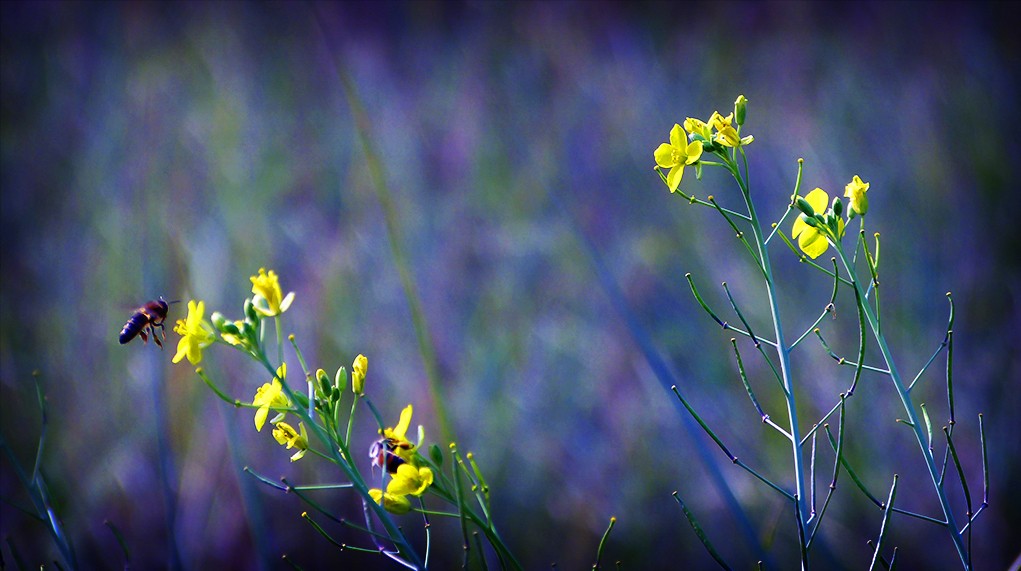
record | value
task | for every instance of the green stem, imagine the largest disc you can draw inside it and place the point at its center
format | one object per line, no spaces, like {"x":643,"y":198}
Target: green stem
{"x":909,"y":409}
{"x":782,"y":351}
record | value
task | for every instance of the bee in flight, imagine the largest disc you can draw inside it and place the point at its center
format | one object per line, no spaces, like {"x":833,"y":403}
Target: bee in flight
{"x":383,"y":453}
{"x":147,"y":318}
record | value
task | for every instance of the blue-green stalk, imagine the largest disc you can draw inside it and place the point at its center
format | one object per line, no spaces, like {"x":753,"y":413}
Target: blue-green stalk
{"x":909,"y":409}
{"x":782,"y":351}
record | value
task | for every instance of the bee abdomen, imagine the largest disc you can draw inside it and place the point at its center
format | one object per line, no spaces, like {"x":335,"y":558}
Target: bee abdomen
{"x":133,"y":326}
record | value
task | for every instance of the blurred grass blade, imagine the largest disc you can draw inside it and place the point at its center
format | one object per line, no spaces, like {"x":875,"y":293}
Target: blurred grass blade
{"x":662,"y":372}
{"x":120,"y":542}
{"x":393,"y":229}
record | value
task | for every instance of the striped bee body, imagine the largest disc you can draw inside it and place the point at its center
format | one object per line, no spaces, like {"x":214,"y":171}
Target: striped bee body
{"x":144,"y":322}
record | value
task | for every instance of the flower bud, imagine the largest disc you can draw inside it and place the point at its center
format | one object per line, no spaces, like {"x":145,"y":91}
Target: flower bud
{"x":250,"y":312}
{"x":218,"y":320}
{"x":805,"y":207}
{"x":230,"y":328}
{"x":837,"y":206}
{"x":340,"y":379}
{"x":358,"y":370}
{"x":810,"y":220}
{"x":740,"y":109}
{"x":324,"y":380}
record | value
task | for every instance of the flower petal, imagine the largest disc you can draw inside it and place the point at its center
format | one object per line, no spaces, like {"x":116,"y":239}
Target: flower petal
{"x":813,"y":243}
{"x":260,"y":417}
{"x":286,"y":302}
{"x":182,"y":350}
{"x":677,"y":138}
{"x":818,"y":199}
{"x":673,"y":178}
{"x":694,"y":152}
{"x":401,"y":430}
{"x":665,"y":156}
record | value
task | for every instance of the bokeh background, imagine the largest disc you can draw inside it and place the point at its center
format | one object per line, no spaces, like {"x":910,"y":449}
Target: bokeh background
{"x":173,"y":149}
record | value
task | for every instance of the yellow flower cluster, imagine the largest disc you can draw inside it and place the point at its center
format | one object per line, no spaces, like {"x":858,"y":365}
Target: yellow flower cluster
{"x":818,"y":225}
{"x":713,"y":135}
{"x":408,"y":478}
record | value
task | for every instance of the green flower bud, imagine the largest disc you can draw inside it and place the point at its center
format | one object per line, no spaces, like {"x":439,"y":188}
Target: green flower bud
{"x":250,"y":312}
{"x":340,"y":380}
{"x":230,"y":328}
{"x":218,"y":320}
{"x":810,"y":220}
{"x":324,"y":380}
{"x":740,"y":109}
{"x":805,"y":207}
{"x":837,"y":206}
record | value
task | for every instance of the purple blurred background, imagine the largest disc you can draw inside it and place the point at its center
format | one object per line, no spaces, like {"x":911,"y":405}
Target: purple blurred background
{"x":173,"y":149}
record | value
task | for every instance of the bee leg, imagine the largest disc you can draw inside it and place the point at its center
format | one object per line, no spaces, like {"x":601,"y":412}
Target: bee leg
{"x":145,"y":338}
{"x":156,"y":337}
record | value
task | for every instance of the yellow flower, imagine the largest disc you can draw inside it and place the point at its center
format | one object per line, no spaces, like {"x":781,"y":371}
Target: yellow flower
{"x":285,"y":434}
{"x":270,"y":395}
{"x":269,"y":298}
{"x":855,"y":190}
{"x":719,"y":122}
{"x":697,"y":127}
{"x":410,"y":479}
{"x":728,"y":137}
{"x":196,"y":334}
{"x":358,"y":370}
{"x":812,"y":239}
{"x":391,"y":503}
{"x":675,"y":155}
{"x":726,"y":134}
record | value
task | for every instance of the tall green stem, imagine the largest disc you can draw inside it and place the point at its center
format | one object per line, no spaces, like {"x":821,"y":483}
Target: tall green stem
{"x":909,"y":409}
{"x":782,"y":351}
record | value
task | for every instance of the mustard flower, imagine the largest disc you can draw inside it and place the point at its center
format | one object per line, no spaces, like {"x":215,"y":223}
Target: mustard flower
{"x":269,"y":298}
{"x":196,"y":334}
{"x":726,"y":134}
{"x":697,"y":127}
{"x":358,"y":370}
{"x":394,"y":504}
{"x":855,"y":191}
{"x":675,"y":155}
{"x":286,"y":435}
{"x":410,"y":479}
{"x":270,"y":395}
{"x":813,"y":239}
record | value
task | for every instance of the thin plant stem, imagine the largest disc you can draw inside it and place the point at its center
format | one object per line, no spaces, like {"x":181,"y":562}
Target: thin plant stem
{"x":724,"y":448}
{"x":700,"y":533}
{"x":886,"y":520}
{"x":783,"y":353}
{"x":912,"y":414}
{"x":602,"y":543}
